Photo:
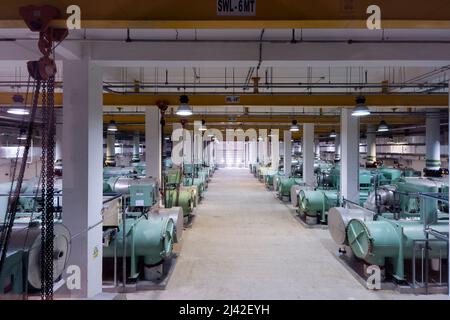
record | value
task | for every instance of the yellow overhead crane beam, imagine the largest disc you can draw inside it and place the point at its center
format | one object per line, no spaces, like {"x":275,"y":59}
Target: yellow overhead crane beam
{"x":266,"y":100}
{"x":215,"y":120}
{"x":182,"y":14}
{"x":168,"y":129}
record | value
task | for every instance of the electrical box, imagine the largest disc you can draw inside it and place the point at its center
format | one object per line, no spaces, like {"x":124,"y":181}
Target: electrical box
{"x":112,"y":212}
{"x":11,"y":278}
{"x":142,"y":195}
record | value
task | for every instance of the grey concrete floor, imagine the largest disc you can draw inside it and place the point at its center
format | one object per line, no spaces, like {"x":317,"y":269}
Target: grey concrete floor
{"x":246,"y":244}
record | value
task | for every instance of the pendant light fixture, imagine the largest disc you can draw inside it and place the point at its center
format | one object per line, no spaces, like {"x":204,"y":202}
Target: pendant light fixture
{"x":383,"y":127}
{"x":18,"y":107}
{"x":112,"y":126}
{"x":203,"y":126}
{"x":361,"y":109}
{"x":184,"y":109}
{"x":294,"y":126}
{"x":333,"y":134}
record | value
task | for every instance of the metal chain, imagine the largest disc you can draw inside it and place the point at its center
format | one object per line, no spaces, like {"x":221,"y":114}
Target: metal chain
{"x":47,"y":234}
{"x":49,"y":197}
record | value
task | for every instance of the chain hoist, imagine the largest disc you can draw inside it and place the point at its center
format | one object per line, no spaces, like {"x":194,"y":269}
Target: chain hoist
{"x":43,"y":71}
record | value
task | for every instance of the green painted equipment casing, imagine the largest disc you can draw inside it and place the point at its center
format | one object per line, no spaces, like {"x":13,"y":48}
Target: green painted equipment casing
{"x":152,"y":239}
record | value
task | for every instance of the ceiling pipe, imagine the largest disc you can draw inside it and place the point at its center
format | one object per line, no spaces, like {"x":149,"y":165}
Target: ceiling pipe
{"x":297,"y":42}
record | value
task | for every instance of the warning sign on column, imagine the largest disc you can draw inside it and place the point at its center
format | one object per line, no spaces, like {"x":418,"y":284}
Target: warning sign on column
{"x":236,"y":7}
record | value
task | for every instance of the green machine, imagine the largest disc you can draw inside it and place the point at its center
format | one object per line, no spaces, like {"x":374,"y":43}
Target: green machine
{"x":397,"y":229}
{"x":314,"y":204}
{"x":12,"y":280}
{"x":387,"y":241}
{"x":141,"y":192}
{"x":270,"y":176}
{"x":148,"y":241}
{"x":175,"y":196}
{"x":285,"y":185}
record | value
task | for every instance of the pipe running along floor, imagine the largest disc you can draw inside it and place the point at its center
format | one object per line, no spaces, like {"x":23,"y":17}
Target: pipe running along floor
{"x":246,"y":244}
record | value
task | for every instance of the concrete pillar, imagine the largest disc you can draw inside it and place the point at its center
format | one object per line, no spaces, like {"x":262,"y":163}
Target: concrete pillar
{"x":337,"y":147}
{"x":153,"y":138}
{"x":433,"y":144}
{"x":253,"y":150}
{"x":275,"y":148}
{"x":350,"y":156}
{"x":260,"y":150}
{"x":177,"y":144}
{"x":448,"y":254}
{"x":263,"y":152}
{"x":371,"y":145}
{"x":317,"y":148}
{"x":212,"y":152}
{"x":308,"y":154}
{"x":198,"y":142}
{"x":136,"y":141}
{"x":111,"y":148}
{"x":287,"y":153}
{"x":83,"y":170}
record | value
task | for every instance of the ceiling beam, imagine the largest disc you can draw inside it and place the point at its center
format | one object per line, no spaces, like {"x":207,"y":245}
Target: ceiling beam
{"x":268,"y":119}
{"x":175,"y":14}
{"x":255,"y":100}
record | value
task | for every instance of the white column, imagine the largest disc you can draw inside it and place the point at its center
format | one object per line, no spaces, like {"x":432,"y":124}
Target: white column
{"x":83,"y":170}
{"x":317,"y":148}
{"x":275,"y":148}
{"x":308,"y":153}
{"x":58,"y":137}
{"x":433,"y":137}
{"x":287,"y":153}
{"x":212,"y":153}
{"x":254,"y":148}
{"x":110,"y":148}
{"x":350,"y":156}
{"x":247,"y":153}
{"x":337,"y":147}
{"x":153,"y":138}
{"x":448,"y":255}
{"x":371,"y":144}
{"x":260,"y":150}
{"x":177,"y":144}
{"x":136,"y":142}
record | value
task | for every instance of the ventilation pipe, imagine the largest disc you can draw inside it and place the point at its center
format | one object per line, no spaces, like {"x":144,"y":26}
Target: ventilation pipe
{"x":371,"y":161}
{"x":433,"y":145}
{"x":136,"y":141}
{"x":110,"y":149}
{"x":337,"y":148}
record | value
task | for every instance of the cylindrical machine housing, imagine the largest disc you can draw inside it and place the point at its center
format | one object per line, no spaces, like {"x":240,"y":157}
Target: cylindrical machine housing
{"x":151,"y":239}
